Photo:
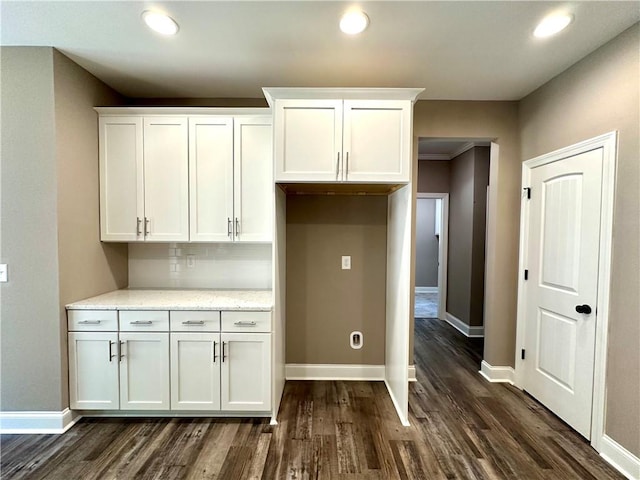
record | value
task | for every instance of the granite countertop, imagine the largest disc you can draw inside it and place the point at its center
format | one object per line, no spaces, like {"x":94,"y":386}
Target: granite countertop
{"x":148,"y":299}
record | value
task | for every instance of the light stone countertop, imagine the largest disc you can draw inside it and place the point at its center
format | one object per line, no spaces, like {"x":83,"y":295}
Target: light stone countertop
{"x":152,"y":299}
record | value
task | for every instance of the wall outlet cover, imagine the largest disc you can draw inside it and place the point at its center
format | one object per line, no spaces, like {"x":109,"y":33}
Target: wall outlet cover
{"x":4,"y":272}
{"x":346,"y":262}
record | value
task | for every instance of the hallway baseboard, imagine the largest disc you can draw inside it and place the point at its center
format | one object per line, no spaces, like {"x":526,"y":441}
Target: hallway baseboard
{"x":37,"y":422}
{"x":497,"y":374}
{"x":466,"y":330}
{"x":304,"y":371}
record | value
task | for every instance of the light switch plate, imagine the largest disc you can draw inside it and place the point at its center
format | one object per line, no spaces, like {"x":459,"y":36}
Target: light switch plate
{"x":4,"y":272}
{"x":346,"y":262}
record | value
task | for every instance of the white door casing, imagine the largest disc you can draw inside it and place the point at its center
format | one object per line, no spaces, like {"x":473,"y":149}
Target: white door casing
{"x":565,"y":247}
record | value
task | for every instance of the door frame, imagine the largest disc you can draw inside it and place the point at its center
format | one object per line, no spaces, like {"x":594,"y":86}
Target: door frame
{"x":442,"y":249}
{"x":608,"y":142}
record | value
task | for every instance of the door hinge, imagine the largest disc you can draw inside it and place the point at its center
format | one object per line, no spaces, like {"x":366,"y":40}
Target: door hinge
{"x":522,"y":354}
{"x":526,"y":274}
{"x":528,"y":190}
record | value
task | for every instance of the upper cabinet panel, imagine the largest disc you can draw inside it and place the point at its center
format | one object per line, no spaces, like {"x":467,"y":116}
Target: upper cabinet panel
{"x":360,"y":136}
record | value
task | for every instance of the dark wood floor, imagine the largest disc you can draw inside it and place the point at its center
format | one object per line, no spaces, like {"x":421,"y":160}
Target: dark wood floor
{"x":462,"y":427}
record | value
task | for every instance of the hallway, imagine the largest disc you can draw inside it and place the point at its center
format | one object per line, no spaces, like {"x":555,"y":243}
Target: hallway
{"x":462,"y":427}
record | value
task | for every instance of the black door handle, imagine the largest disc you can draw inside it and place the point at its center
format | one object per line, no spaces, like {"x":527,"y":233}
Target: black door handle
{"x":583,"y":309}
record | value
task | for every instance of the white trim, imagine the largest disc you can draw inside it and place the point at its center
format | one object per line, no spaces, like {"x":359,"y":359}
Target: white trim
{"x":608,"y":142}
{"x":404,"y":421}
{"x":426,"y":289}
{"x":434,"y":156}
{"x":467,"y":330}
{"x":497,"y":374}
{"x":462,"y":149}
{"x":620,"y":458}
{"x":38,"y":422}
{"x":412,"y":373}
{"x":330,"y":93}
{"x":191,"y":111}
{"x":306,"y":371}
{"x":443,"y":250}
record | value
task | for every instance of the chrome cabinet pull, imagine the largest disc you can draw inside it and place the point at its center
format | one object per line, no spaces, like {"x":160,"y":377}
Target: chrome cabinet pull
{"x":193,"y":322}
{"x":245,"y":324}
{"x":120,"y":348}
{"x":346,"y":175}
{"x":223,"y":353}
{"x":237,"y":227}
{"x":229,"y":234}
{"x":338,"y":166}
{"x":89,"y":322}
{"x":138,"y":223}
{"x":111,"y":355}
{"x":215,"y":357}
{"x":147,"y":226}
{"x":141,"y":322}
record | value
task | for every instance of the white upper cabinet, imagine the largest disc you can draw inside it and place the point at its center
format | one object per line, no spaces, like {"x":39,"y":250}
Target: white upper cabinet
{"x":342,"y":135}
{"x":178,"y":175}
{"x":211,"y":178}
{"x":121,"y":181}
{"x":144,"y":179}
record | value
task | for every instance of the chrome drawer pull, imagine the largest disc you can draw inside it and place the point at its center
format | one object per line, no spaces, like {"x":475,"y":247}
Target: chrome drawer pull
{"x":89,"y":322}
{"x":245,"y":324}
{"x":141,"y":322}
{"x":193,"y":322}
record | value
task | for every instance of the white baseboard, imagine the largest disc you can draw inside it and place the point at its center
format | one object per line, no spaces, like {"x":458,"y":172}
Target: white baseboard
{"x":497,"y":374}
{"x":38,"y":422}
{"x":620,"y":458}
{"x":299,"y":371}
{"x":412,"y":373}
{"x":426,"y":289}
{"x":472,"y":332}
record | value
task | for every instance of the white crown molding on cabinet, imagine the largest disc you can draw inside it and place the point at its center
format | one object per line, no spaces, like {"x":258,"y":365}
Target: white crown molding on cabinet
{"x":284,"y":93}
{"x":190,"y":111}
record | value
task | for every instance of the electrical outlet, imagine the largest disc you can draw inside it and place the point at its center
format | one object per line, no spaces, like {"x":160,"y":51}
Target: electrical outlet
{"x":346,"y":262}
{"x":4,"y":272}
{"x":191,"y":261}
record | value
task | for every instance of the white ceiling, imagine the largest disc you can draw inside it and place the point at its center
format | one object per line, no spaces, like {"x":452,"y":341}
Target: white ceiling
{"x":455,"y":50}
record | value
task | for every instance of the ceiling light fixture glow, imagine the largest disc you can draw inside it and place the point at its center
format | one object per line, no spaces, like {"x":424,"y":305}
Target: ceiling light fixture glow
{"x":552,"y":25}
{"x":159,"y":22}
{"x":354,"y":22}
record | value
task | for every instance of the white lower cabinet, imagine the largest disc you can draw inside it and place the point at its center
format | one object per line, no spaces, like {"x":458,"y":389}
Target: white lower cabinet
{"x":188,"y":366}
{"x":144,"y":371}
{"x":93,"y":370}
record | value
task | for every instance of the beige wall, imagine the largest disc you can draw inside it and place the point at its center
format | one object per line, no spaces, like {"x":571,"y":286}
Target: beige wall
{"x":324,"y":302}
{"x":497,"y":121}
{"x":50,"y":205}
{"x":87,"y":267}
{"x":32,"y":374}
{"x":433,"y":176}
{"x":426,"y":243}
{"x":480,"y":183}
{"x":597,"y":95}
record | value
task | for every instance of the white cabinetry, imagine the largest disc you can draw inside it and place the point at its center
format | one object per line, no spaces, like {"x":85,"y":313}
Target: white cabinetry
{"x":143,"y":178}
{"x":363,"y":137}
{"x":231,"y":186}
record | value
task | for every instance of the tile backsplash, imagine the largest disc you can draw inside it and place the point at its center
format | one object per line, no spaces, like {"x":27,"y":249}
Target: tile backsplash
{"x":193,"y":265}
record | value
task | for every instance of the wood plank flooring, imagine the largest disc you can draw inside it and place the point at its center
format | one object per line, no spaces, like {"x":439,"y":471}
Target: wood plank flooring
{"x":462,"y":427}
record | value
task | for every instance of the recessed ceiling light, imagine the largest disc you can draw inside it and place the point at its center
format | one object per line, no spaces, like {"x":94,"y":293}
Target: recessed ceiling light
{"x":159,"y":22}
{"x":552,"y":25}
{"x":354,"y":22}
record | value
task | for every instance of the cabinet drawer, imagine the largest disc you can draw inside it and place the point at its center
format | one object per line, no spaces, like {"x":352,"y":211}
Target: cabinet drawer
{"x":195,"y":321}
{"x":144,"y":321}
{"x":92,"y":320}
{"x":246,"y":321}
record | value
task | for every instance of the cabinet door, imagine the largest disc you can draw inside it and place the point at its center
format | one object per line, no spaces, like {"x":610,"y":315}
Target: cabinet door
{"x":211,"y":179}
{"x":377,"y":141}
{"x":144,"y":371}
{"x":121,"y":179}
{"x":308,"y":140}
{"x":246,"y":371}
{"x":166,"y":179}
{"x":93,"y":370}
{"x":253,"y":179}
{"x":195,"y":371}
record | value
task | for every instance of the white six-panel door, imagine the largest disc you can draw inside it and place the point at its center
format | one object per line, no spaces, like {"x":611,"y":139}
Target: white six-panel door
{"x":561,"y":290}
